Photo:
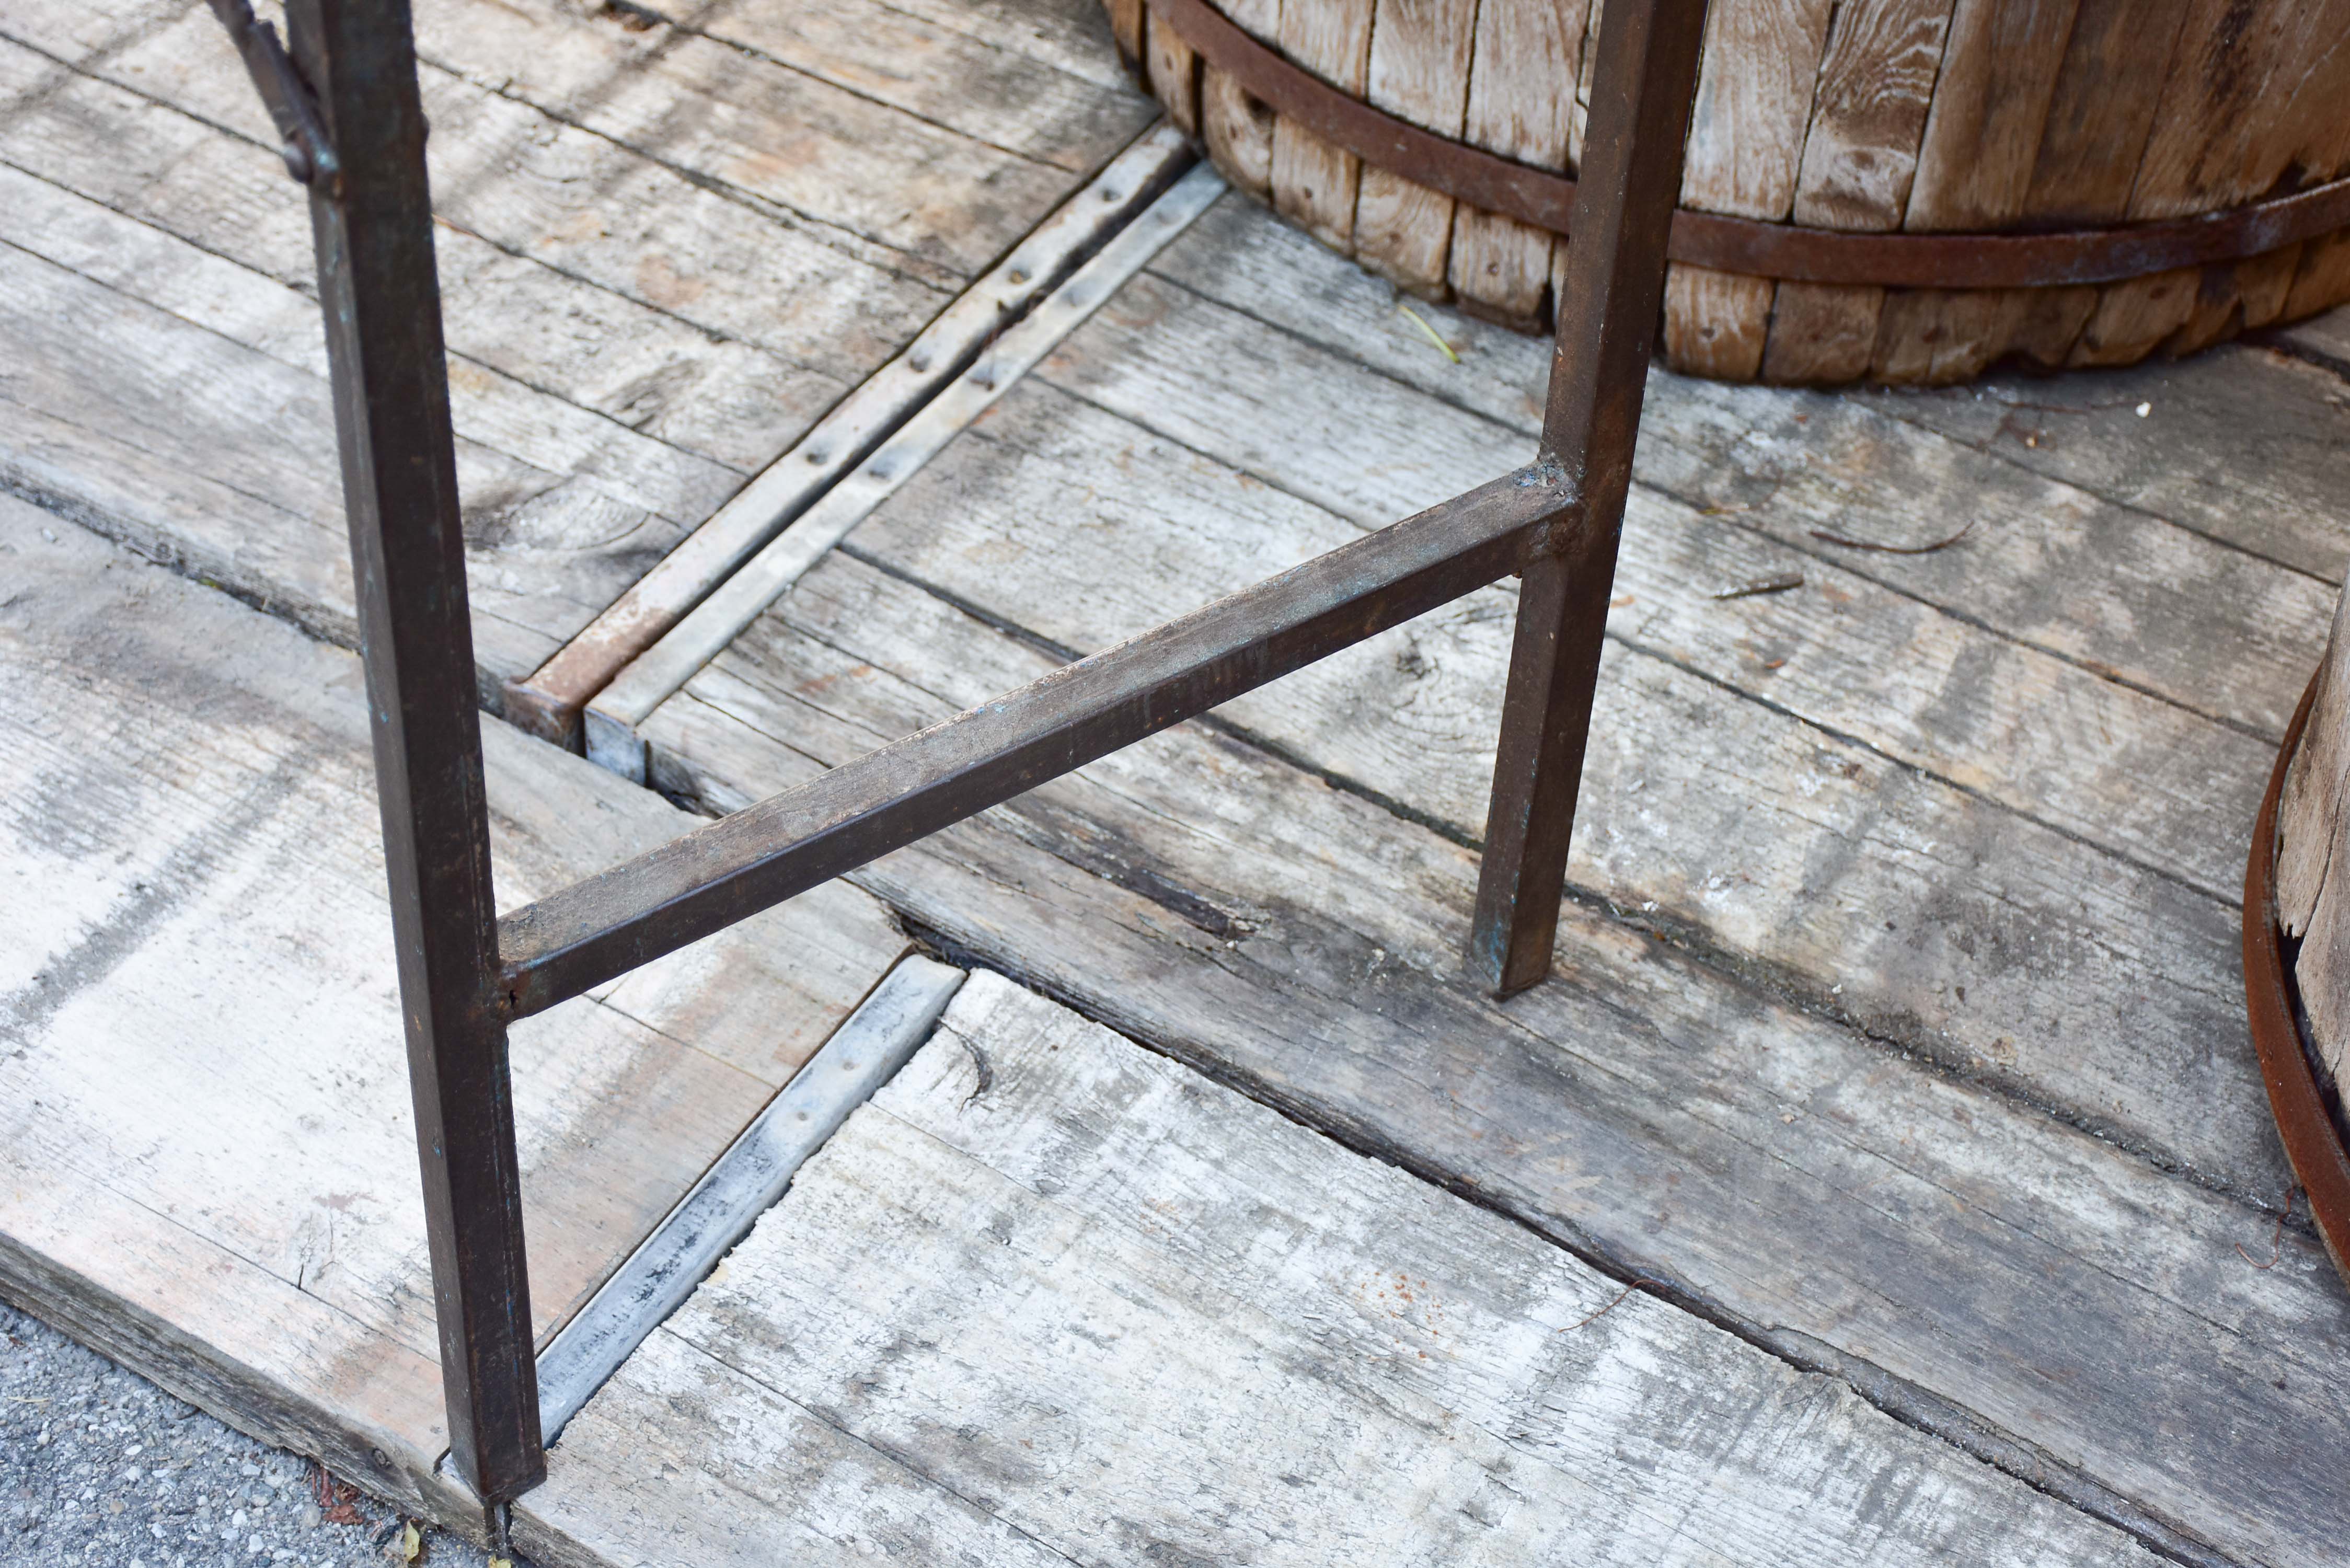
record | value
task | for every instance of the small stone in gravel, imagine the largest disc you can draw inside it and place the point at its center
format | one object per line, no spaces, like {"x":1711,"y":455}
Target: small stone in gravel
{"x":201,"y":1494}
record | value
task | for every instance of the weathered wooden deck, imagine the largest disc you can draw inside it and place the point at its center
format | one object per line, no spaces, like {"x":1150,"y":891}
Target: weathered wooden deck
{"x":1895,"y":1056}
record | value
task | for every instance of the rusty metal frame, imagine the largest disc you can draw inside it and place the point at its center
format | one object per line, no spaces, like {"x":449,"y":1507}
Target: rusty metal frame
{"x":355,"y":134}
{"x":1545,"y":199}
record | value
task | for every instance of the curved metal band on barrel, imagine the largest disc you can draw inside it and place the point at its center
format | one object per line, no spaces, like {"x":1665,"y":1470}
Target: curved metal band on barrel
{"x":1725,"y":244}
{"x":2312,"y":1143}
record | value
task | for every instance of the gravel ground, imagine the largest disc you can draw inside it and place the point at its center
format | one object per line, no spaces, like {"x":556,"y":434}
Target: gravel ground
{"x":99,"y":1466}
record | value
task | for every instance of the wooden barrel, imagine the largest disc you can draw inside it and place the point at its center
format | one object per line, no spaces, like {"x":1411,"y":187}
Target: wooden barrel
{"x":2084,"y":181}
{"x":2297,"y":942}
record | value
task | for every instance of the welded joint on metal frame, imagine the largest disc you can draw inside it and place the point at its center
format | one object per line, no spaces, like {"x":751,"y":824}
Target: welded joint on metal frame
{"x":658,"y":674}
{"x":293,"y":107}
{"x":746,"y":1181}
{"x":576,"y":938}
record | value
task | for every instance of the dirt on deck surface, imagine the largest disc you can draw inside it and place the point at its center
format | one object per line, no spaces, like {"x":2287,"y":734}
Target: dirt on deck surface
{"x":99,"y":1466}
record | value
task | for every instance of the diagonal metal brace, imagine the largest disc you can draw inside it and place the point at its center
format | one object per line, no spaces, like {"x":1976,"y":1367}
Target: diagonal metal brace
{"x":309,"y":157}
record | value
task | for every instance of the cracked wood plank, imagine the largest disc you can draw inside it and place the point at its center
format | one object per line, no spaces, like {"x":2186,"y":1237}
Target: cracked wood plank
{"x":1133,"y":1316}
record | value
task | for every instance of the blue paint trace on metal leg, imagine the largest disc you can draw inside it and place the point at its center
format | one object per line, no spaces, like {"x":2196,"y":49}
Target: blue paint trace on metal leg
{"x":746,"y":1181}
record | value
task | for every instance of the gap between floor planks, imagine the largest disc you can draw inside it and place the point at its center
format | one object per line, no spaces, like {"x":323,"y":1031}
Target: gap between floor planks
{"x":953,"y":532}
{"x":1296,"y":940}
{"x":203,"y":979}
{"x":1040,"y":1240}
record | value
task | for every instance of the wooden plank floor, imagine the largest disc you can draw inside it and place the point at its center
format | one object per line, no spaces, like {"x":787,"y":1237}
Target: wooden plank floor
{"x":207,"y":1160}
{"x":1898,"y":1023}
{"x":1052,"y":1299}
{"x":666,"y":250}
{"x":1895,"y":1051}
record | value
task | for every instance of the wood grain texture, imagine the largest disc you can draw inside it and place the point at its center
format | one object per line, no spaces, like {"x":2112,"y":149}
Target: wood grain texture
{"x":1877,"y":83}
{"x":1413,"y":720}
{"x":671,"y":399}
{"x":1991,"y":107}
{"x":1717,"y":324}
{"x":534,"y":185}
{"x":1126,"y":24}
{"x":2310,"y":902}
{"x":1753,"y":101}
{"x":1860,"y":153}
{"x":2241,"y":119}
{"x":1420,"y":51}
{"x":1112,"y":1302}
{"x":1026,"y":101}
{"x":648,"y":681}
{"x":1975,"y":160}
{"x":632,"y":336}
{"x":550,"y":704}
{"x":203,"y":1015}
{"x":2126,"y":502}
{"x":2252,"y":104}
{"x":1068,"y":34}
{"x":1518,"y":107}
{"x":2310,"y":810}
{"x":2320,"y":278}
{"x":1953,"y":116}
{"x":1235,"y":128}
{"x":2110,"y":90}
{"x":1075,"y":38}
{"x":1822,"y":333}
{"x":1745,"y":150}
{"x":1314,"y":182}
{"x":1173,"y":69}
{"x":1778,"y":468}
{"x":219,"y":461}
{"x":682,"y":1458}
{"x":2237,"y":446}
{"x":932,"y":194}
{"x":744,"y":1180}
{"x":580,"y":408}
{"x":1236,"y":910}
